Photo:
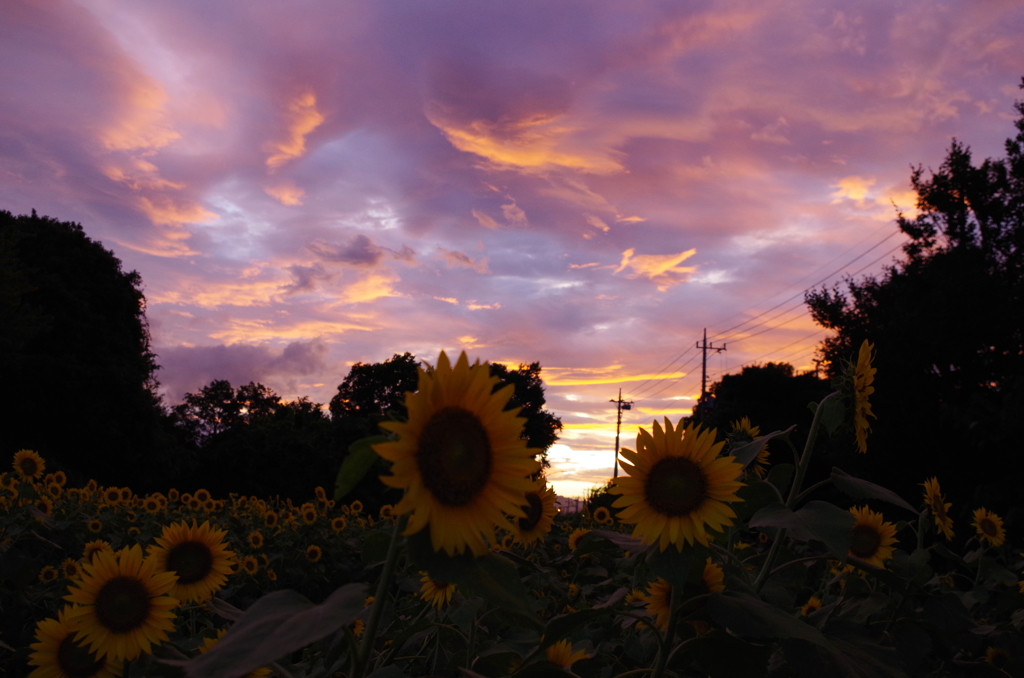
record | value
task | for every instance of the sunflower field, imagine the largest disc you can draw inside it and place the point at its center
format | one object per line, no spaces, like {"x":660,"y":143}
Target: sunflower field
{"x":713,"y":555}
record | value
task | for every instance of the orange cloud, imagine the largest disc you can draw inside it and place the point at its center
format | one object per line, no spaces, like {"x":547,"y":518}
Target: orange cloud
{"x":450,"y":300}
{"x":286,"y":193}
{"x":374,"y":285}
{"x":302,"y":118}
{"x":575,"y":376}
{"x":249,"y":331}
{"x":142,"y":123}
{"x":485,"y":220}
{"x":462,"y":259}
{"x":662,"y":269}
{"x":536,"y":143}
{"x":165,"y":210}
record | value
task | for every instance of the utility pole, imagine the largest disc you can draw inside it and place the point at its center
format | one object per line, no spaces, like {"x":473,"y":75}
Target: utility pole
{"x":620,"y":405}
{"x":702,"y":403}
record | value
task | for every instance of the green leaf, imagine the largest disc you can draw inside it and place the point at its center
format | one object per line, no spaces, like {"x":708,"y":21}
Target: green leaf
{"x":834,"y":413}
{"x":491,"y":577}
{"x":561,"y":626}
{"x":358,"y":462}
{"x":747,"y":453}
{"x":622,"y":541}
{"x":373,"y":546}
{"x":756,"y":494}
{"x":781,"y":476}
{"x":277,"y":624}
{"x":749,"y":617}
{"x":862,"y":489}
{"x":943,"y":551}
{"x":678,"y":568}
{"x":818,"y":520}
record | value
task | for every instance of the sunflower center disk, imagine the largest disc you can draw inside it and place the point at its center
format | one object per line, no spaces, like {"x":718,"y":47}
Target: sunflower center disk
{"x":191,"y":560}
{"x":122,"y":604}
{"x":76,"y":661}
{"x":533,"y":510}
{"x":865,"y":541}
{"x":454,"y":456}
{"x":675,"y":486}
{"x":988,"y":527}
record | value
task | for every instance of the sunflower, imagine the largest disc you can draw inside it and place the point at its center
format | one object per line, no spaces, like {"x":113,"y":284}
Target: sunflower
{"x":55,"y":490}
{"x":387,"y":511}
{"x":872,"y":539}
{"x":339,"y":524}
{"x":95,"y":526}
{"x":602,"y":516}
{"x":313,"y":553}
{"x":112,"y":496}
{"x":437,"y":593}
{"x":29,"y":465}
{"x":713,"y":577}
{"x":125,"y":609}
{"x":308,"y":513}
{"x":250,"y":565}
{"x":635,"y":596}
{"x":460,"y":457}
{"x":126,"y":495}
{"x":574,"y":538}
{"x":202,"y":495}
{"x":270,"y":518}
{"x":989,"y":527}
{"x":863,"y":377}
{"x":48,"y":574}
{"x":44,"y":505}
{"x":658,"y":598}
{"x":540,"y":513}
{"x":59,"y":655}
{"x":676,"y":486}
{"x":356,"y":507}
{"x":172,"y":494}
{"x":256,"y":539}
{"x":199,"y":557}
{"x":742,"y":431}
{"x":561,"y":654}
{"x":940,"y":510}
{"x":208,"y":644}
{"x":813,"y":603}
{"x":151,"y":504}
{"x":271,"y":575}
{"x":71,"y":568}
{"x":94,"y":547}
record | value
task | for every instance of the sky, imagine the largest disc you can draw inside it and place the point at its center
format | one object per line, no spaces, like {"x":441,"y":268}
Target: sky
{"x":588,"y":185}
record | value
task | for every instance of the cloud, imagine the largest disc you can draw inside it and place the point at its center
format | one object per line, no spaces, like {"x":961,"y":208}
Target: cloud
{"x":461,"y":259}
{"x":484,"y":219}
{"x":514,"y":214}
{"x":301,"y":118}
{"x":286,"y":193}
{"x":305,"y":278}
{"x":359,"y":251}
{"x":662,"y":269}
{"x":189,"y":368}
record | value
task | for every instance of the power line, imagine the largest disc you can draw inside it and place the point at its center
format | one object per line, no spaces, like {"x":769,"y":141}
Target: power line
{"x":802,"y":292}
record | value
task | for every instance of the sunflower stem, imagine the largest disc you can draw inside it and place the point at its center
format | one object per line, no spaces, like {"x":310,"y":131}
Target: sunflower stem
{"x":773,"y":554}
{"x":805,"y":458}
{"x":670,"y":634}
{"x":921,"y":522}
{"x":379,"y":600}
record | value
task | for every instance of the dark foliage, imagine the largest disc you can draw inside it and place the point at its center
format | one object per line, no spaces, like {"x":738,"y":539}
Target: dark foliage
{"x":948,"y":323}
{"x":75,"y":359}
{"x":541,"y":427}
{"x":250,"y":442}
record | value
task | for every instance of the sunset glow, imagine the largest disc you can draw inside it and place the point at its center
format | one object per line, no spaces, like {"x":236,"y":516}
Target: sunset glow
{"x":584,"y":185}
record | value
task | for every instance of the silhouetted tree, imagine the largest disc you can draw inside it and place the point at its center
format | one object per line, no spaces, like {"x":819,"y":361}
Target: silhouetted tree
{"x":75,"y":359}
{"x":773,"y":396}
{"x":948,"y":323}
{"x":541,"y":427}
{"x":249,"y":441}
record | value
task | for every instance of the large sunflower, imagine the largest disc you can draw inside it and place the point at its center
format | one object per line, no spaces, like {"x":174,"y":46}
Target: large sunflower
{"x":676,"y":486}
{"x":59,"y":655}
{"x":561,"y":654}
{"x":540,"y":513}
{"x":459,"y":457}
{"x":937,"y":505}
{"x":199,"y":557}
{"x":125,"y":609}
{"x":872,"y":539}
{"x":863,"y":377}
{"x":29,"y":465}
{"x":989,"y":527}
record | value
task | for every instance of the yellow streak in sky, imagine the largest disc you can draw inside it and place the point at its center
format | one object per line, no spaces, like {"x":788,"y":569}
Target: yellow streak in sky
{"x":609,"y":379}
{"x":303,"y":117}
